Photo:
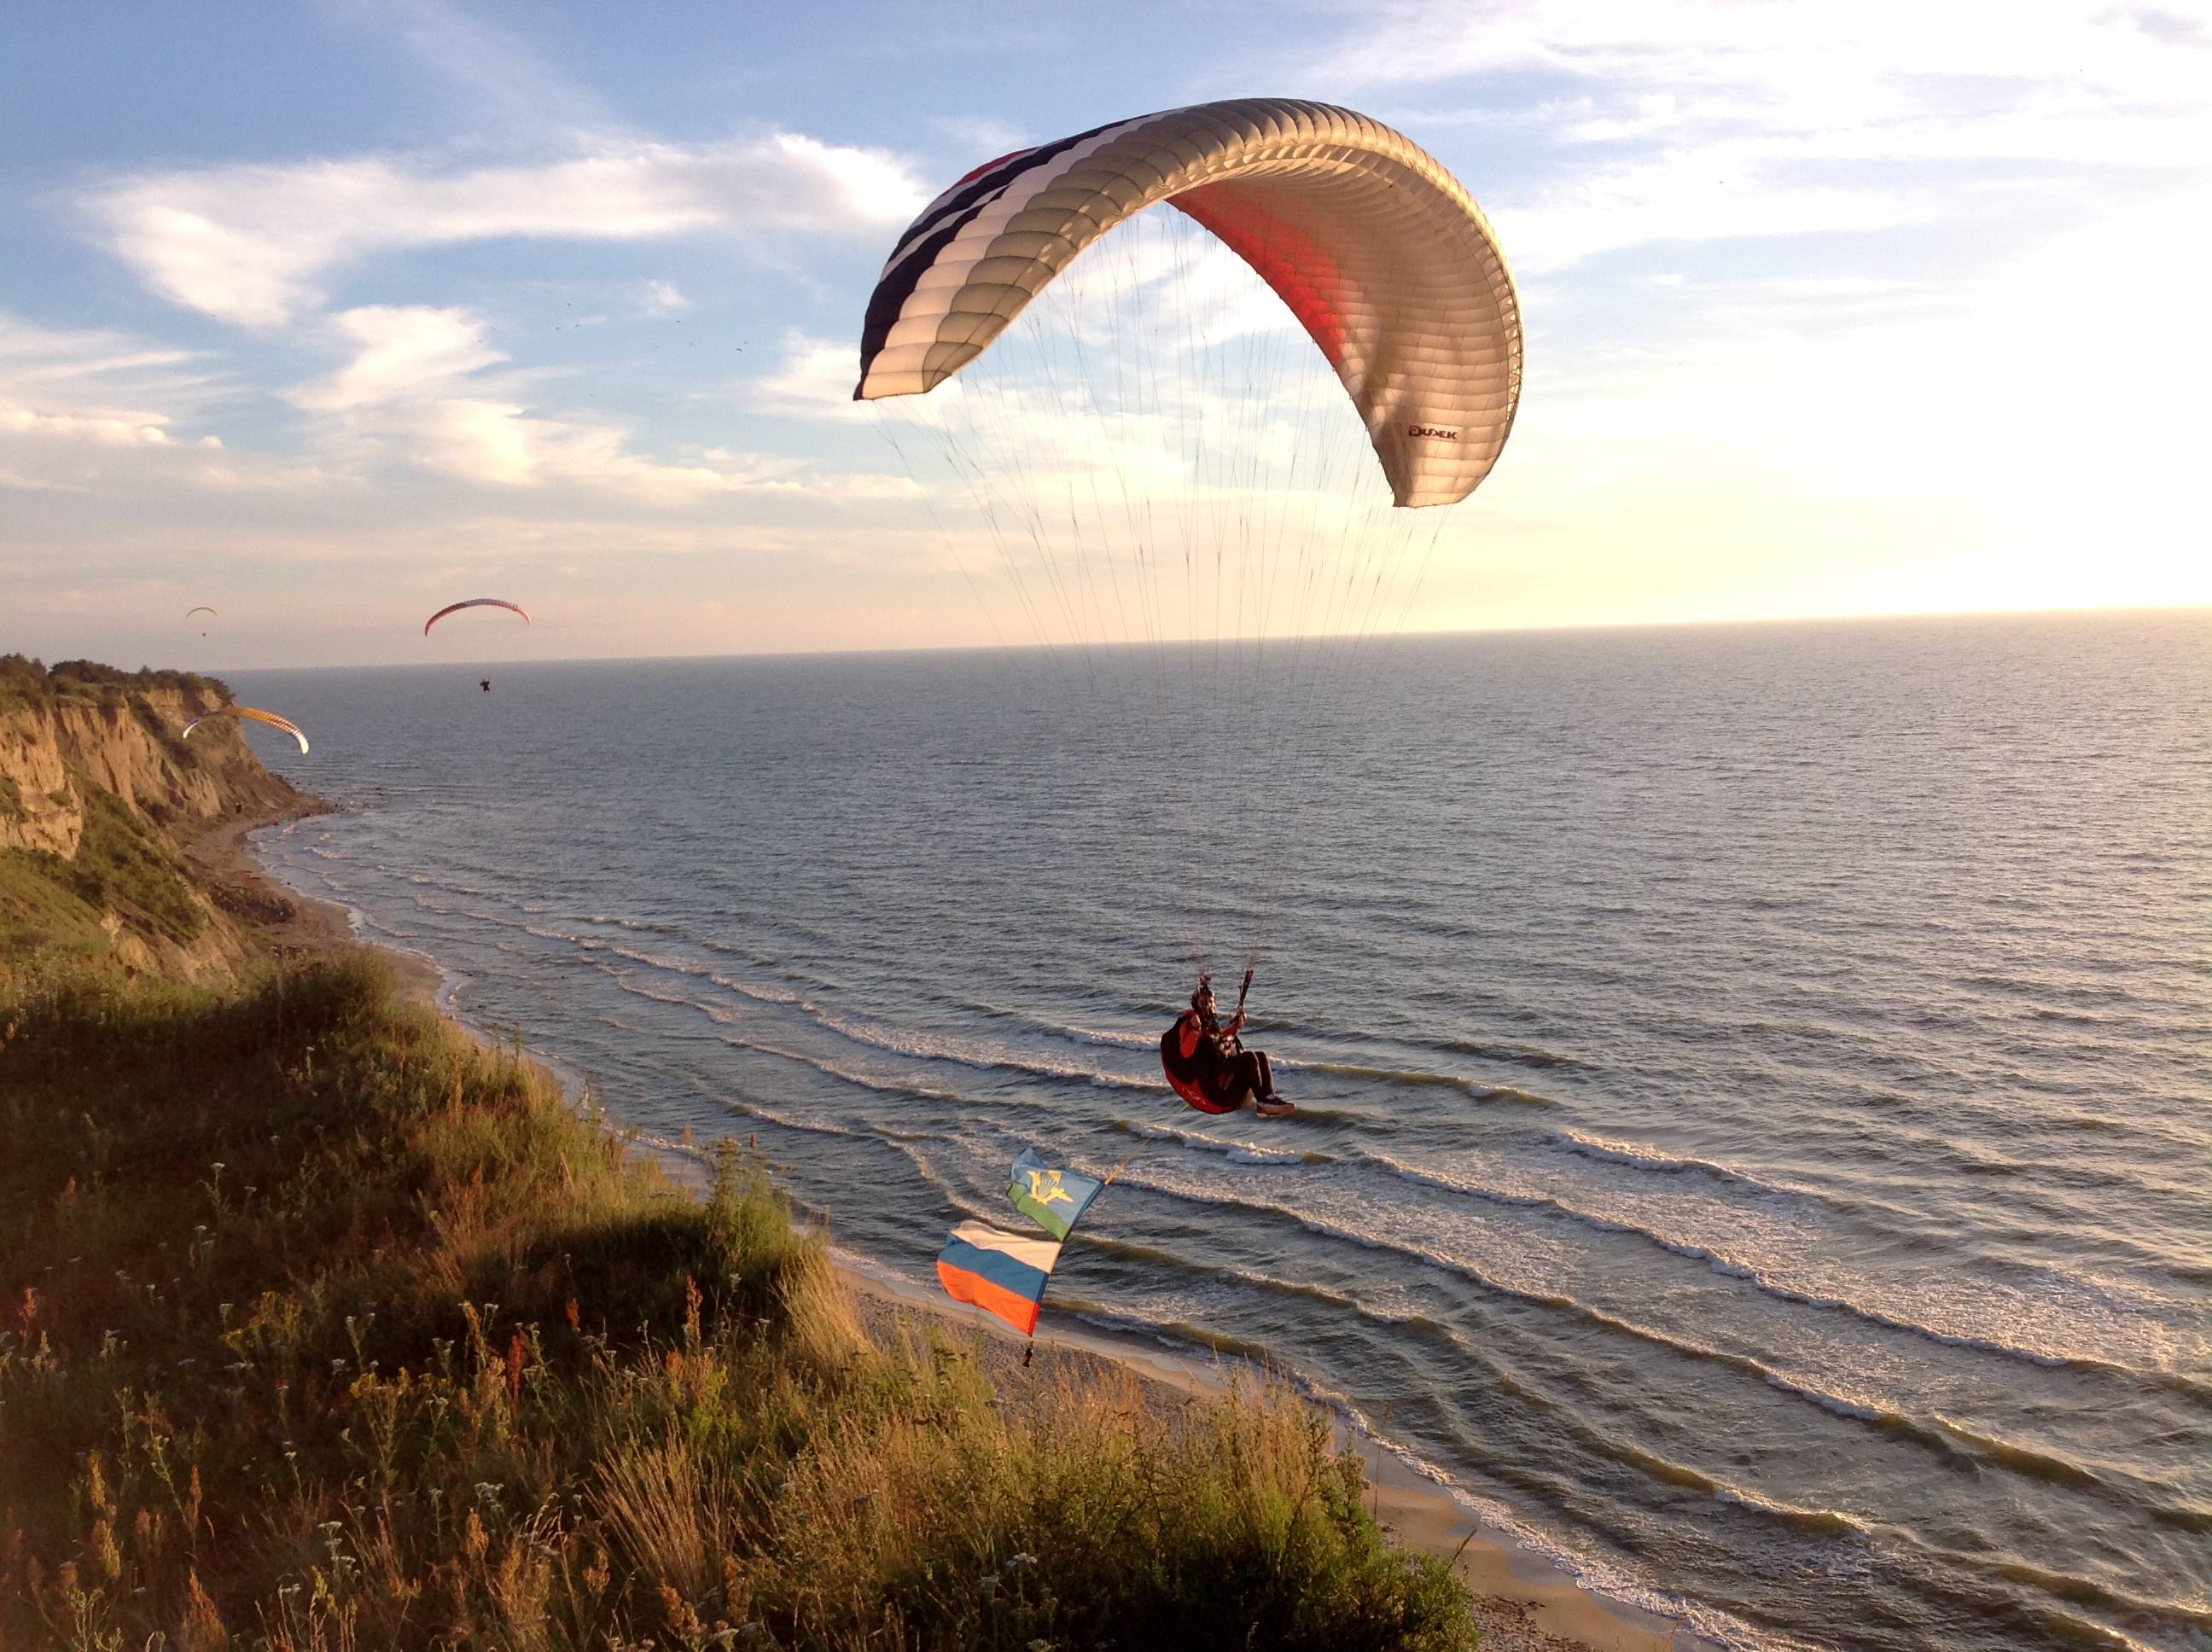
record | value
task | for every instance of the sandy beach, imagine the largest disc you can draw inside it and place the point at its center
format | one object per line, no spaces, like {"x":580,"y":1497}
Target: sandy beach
{"x":293,"y":924}
{"x":1523,"y":1601}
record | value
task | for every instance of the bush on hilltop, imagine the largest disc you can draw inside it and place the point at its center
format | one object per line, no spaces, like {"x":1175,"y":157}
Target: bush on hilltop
{"x":24,"y":681}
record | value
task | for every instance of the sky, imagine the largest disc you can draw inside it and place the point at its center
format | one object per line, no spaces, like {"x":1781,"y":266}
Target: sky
{"x":327,"y":314}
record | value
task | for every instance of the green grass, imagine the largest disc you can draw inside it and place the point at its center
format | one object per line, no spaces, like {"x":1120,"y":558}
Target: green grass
{"x":46,"y":929}
{"x":52,"y":908}
{"x":324,"y":1327}
{"x":125,"y":865}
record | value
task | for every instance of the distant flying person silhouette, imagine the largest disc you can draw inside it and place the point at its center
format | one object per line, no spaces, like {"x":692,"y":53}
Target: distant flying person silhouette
{"x":485,"y":683}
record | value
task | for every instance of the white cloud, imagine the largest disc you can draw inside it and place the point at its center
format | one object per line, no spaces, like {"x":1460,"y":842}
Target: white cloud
{"x":662,"y":298}
{"x":64,"y":392}
{"x":423,"y":390}
{"x":814,"y":381}
{"x":1804,"y":66}
{"x":257,"y":245}
{"x":402,"y":351}
{"x":1703,"y":120}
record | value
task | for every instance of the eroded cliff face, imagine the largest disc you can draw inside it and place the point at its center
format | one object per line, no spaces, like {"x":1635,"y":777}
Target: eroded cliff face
{"x":54,"y":753}
{"x":103,"y":797}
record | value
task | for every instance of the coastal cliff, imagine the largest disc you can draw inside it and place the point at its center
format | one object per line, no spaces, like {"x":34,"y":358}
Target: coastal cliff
{"x":100,"y":800}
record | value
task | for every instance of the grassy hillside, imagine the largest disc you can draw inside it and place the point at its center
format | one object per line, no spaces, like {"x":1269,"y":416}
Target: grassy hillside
{"x":322,"y":1327}
{"x":52,"y":910}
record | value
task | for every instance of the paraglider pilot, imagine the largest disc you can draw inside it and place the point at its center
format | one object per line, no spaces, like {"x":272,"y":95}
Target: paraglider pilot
{"x":1208,"y":1064}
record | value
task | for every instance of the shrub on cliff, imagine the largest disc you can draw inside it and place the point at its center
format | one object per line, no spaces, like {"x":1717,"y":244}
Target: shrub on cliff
{"x":24,"y":681}
{"x":322,"y":1327}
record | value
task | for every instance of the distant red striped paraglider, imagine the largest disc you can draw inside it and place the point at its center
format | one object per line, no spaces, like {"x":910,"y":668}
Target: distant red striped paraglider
{"x":475,"y":602}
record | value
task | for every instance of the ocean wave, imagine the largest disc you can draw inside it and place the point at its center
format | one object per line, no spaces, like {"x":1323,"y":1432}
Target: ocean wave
{"x":1481,"y":1088}
{"x":906,"y":1143}
{"x":674,"y":1000}
{"x":915,"y":1043}
{"x":701,"y":972}
{"x":1716,"y":1261}
{"x":1170,"y":1329}
{"x":1519,"y":1055}
{"x":852,"y":1075}
{"x":2135,"y":1490}
{"x":423,"y":880}
{"x":636,"y":923}
{"x":782,"y":965}
{"x":1445,"y":1182}
{"x":1828,"y":1522}
{"x":2080,"y":1591}
{"x":1764,"y":1280}
{"x":1238,"y":1152}
{"x":584,"y":941}
{"x":1637,"y":1156}
{"x":939,"y":1047}
{"x":1068,"y":1030}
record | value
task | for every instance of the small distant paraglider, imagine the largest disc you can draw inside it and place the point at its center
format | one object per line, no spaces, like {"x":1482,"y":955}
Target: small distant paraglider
{"x":202,"y":608}
{"x":485,"y":683}
{"x":259,"y":716}
{"x":475,"y":602}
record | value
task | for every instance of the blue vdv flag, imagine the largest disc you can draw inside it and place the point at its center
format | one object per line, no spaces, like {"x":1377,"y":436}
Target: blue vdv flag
{"x":1051,"y":1195}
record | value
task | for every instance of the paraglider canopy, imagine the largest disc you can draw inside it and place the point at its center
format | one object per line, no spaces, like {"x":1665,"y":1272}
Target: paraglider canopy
{"x":1385,"y":260}
{"x":1185,"y":442}
{"x":254,"y":713}
{"x":203,"y":609}
{"x":474,"y":602}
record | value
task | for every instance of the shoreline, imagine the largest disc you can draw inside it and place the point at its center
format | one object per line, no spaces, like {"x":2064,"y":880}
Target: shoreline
{"x":1522,"y":1599}
{"x":295,"y":925}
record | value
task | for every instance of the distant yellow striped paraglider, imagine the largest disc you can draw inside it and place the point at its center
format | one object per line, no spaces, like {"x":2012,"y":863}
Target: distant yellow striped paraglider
{"x":256,"y":715}
{"x":475,"y":602}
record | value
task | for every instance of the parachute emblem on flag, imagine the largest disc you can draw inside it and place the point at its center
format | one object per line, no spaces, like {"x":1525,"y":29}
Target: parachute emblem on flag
{"x":1052,"y":1196}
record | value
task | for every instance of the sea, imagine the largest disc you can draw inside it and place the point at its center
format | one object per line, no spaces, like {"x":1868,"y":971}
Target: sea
{"x":1754,"y":1082}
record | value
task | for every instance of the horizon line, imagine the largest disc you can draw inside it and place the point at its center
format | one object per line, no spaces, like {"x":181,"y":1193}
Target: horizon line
{"x":1735,"y":622}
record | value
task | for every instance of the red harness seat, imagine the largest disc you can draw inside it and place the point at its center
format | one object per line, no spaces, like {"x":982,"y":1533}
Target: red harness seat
{"x":1193,"y":1064}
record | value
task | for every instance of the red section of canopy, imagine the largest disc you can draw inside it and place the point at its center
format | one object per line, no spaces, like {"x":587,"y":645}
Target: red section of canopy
{"x":1296,"y":265}
{"x":1016,"y":1309}
{"x":970,"y":177}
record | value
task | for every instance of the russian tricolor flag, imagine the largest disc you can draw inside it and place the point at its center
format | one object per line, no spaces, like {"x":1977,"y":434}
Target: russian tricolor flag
{"x":1000,"y":1272}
